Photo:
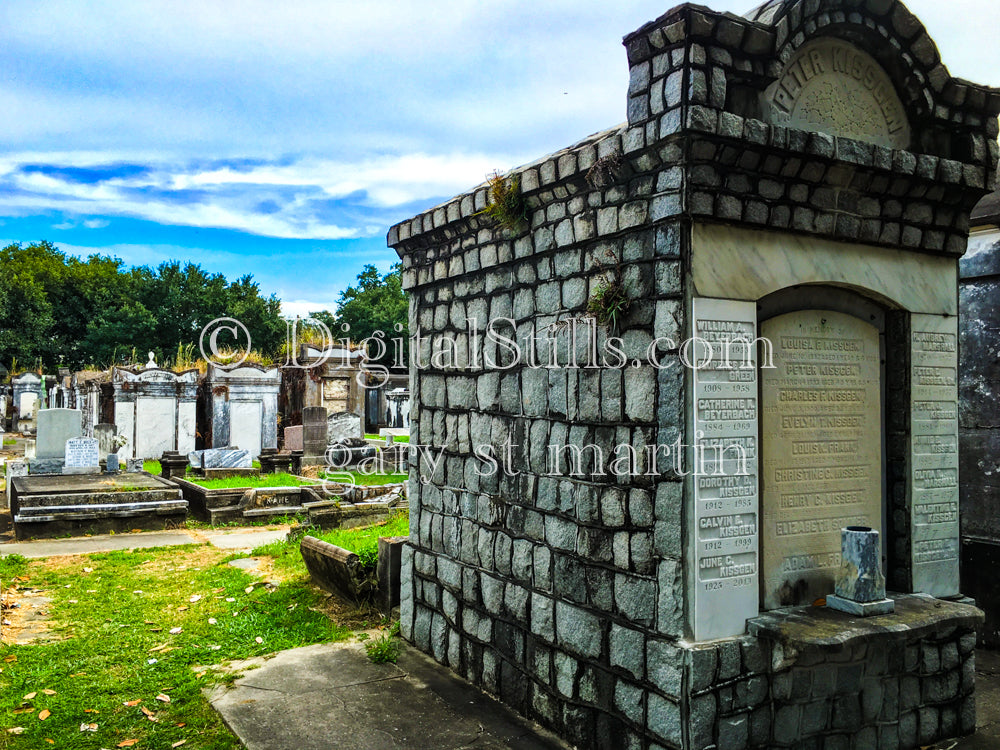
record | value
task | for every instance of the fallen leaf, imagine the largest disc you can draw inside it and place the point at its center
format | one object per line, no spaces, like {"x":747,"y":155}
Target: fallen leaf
{"x":179,"y":743}
{"x":148,"y":622}
{"x":44,"y":714}
{"x":15,"y":730}
{"x":136,"y":702}
{"x":91,"y":711}
{"x":88,"y":727}
{"x":126,"y":743}
{"x":259,"y":639}
{"x":88,"y":570}
{"x":49,"y":692}
{"x":151,"y":661}
{"x":248,"y":590}
{"x":149,"y":714}
{"x":183,"y":609}
{"x":199,"y":675}
{"x":154,"y":649}
{"x":164,"y":698}
{"x":230,"y":599}
{"x":30,"y":696}
{"x":180,"y":725}
{"x":175,"y":631}
{"x":195,"y":598}
{"x":212,"y":621}
{"x":13,"y":657}
{"x":29,"y":710}
{"x":51,"y":742}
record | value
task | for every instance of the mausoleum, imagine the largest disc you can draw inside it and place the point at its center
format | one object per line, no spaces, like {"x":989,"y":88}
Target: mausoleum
{"x":649,"y":403}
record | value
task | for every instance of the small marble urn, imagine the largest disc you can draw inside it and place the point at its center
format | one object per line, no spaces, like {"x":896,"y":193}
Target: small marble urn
{"x":860,"y":585}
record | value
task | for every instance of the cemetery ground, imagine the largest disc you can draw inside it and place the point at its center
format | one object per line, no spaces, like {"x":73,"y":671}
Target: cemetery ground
{"x":130,"y":639}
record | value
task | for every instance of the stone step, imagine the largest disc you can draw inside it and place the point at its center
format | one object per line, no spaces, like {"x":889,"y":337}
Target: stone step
{"x":108,"y":510}
{"x":97,"y":498}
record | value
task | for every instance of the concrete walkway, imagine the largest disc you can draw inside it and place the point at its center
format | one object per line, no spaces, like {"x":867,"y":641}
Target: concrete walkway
{"x":235,"y":539}
{"x":332,"y":696}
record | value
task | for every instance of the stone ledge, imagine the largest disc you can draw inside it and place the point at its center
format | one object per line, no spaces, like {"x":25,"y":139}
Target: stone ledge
{"x":916,"y":616}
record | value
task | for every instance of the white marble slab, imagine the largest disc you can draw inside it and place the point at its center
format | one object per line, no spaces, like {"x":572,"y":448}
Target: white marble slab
{"x":933,"y":481}
{"x":733,"y":263}
{"x":723,"y":532}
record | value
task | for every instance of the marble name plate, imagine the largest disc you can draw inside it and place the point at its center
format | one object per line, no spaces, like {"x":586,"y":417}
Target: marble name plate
{"x":82,"y":452}
{"x":934,"y":454}
{"x":723,"y":554}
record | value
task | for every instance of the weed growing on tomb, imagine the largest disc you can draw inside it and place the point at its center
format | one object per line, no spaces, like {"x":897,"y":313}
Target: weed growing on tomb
{"x":609,"y":301}
{"x":138,"y":635}
{"x":506,"y":208}
{"x":385,"y":647}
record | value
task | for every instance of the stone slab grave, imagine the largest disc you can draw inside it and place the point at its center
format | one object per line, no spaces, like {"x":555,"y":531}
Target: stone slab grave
{"x":343,"y":426}
{"x":222,"y":462}
{"x":794,"y":188}
{"x":54,"y":505}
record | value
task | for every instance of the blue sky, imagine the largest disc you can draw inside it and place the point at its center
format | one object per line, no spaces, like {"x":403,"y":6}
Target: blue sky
{"x":283,"y":139}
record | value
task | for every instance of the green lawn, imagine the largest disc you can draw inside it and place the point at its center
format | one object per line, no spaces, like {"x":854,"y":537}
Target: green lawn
{"x":114,"y":614}
{"x":398,"y":439}
{"x":280,"y":479}
{"x":366,"y":480}
{"x":362,"y":541}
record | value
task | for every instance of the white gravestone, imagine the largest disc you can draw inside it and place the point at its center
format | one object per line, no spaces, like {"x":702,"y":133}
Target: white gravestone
{"x":82,"y":456}
{"x":724,"y":531}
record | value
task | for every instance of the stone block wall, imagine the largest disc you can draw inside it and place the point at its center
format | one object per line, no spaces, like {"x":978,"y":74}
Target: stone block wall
{"x":560,"y":593}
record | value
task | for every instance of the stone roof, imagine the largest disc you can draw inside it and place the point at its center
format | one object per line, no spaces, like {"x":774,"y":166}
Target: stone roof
{"x":987,"y":211}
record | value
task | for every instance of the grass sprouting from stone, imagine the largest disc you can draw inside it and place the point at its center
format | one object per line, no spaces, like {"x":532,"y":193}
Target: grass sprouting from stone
{"x":153,"y":467}
{"x":115,"y":651}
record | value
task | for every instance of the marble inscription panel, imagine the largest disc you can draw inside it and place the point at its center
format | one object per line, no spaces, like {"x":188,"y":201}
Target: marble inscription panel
{"x":821,"y":433}
{"x":934,"y":454}
{"x":724,"y":534}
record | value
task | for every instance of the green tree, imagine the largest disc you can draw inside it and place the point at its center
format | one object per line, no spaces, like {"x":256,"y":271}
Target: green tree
{"x":375,"y":303}
{"x":65,"y":310}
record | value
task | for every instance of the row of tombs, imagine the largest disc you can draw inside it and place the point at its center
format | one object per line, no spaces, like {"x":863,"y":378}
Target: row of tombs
{"x":636,"y":543}
{"x":157,"y":410}
{"x":75,"y":484}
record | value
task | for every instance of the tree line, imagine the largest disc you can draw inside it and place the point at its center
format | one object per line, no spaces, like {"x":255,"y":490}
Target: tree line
{"x":57,"y":310}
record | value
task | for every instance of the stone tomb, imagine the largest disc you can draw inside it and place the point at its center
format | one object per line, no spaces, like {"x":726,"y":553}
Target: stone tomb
{"x":800,"y":179}
{"x":155,"y":410}
{"x":49,"y":506}
{"x":25,"y":388}
{"x":242,"y":407}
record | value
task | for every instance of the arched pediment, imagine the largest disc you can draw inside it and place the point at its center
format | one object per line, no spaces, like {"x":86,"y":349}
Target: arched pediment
{"x":831,"y":86}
